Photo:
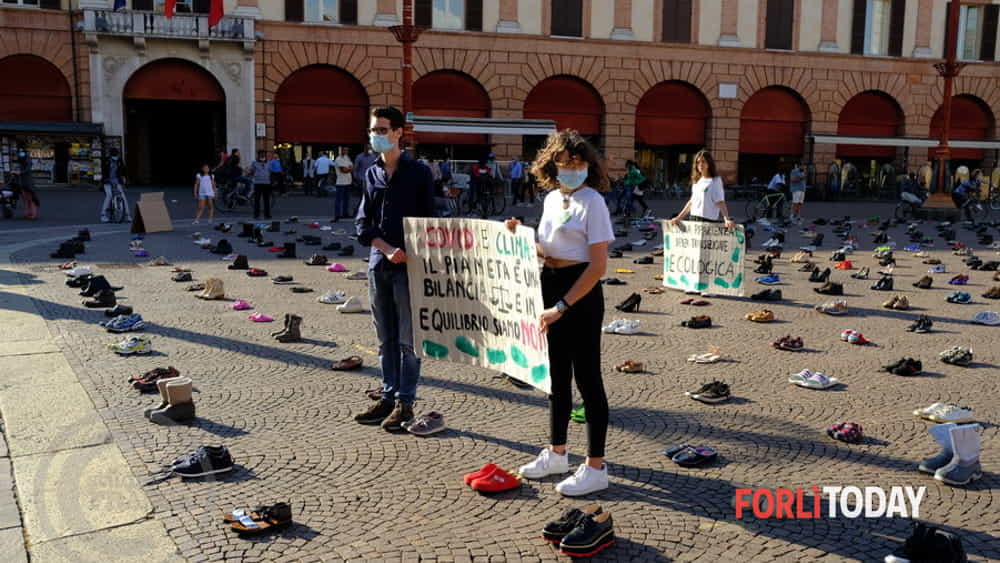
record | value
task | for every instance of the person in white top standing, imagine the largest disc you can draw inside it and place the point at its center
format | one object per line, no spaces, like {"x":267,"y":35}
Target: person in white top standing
{"x":204,"y":192}
{"x":573,"y":237}
{"x":345,"y":180}
{"x":308,"y":174}
{"x":322,"y":168}
{"x":708,"y":198}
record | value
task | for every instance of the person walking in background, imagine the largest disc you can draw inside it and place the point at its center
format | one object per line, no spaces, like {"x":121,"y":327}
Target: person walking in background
{"x":308,"y":174}
{"x":115,"y":177}
{"x":517,"y":185}
{"x":261,"y":186}
{"x":708,"y":197}
{"x":27,"y":184}
{"x":798,"y":186}
{"x":480,"y":180}
{"x":776,"y":185}
{"x":396,"y":186}
{"x":277,"y":173}
{"x":362,"y":163}
{"x":322,"y":167}
{"x":345,"y":180}
{"x":633,"y":188}
{"x":573,"y":236}
{"x":204,"y":193}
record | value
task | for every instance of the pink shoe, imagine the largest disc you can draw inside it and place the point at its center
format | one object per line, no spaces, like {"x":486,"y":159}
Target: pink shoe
{"x":336,"y":268}
{"x":241,"y":305}
{"x":260,"y":318}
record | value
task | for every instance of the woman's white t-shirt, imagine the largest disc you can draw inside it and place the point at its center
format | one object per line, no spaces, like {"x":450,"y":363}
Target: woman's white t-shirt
{"x":567,"y":234}
{"x":205,"y":185}
{"x":705,"y":196}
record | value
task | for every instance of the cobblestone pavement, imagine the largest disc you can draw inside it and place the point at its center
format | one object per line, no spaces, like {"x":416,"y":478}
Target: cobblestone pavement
{"x":359,"y":493}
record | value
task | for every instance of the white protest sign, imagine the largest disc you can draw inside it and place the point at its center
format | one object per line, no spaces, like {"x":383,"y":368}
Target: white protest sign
{"x":705,"y":257}
{"x":476,"y":297}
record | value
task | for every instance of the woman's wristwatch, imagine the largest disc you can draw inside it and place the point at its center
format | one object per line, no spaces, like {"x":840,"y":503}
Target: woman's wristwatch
{"x":562,"y":306}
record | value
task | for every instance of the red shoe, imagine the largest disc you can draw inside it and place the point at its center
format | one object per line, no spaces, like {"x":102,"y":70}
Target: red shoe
{"x":498,"y":481}
{"x":276,"y":249}
{"x":845,"y":265}
{"x":484,"y":471}
{"x":314,"y":225}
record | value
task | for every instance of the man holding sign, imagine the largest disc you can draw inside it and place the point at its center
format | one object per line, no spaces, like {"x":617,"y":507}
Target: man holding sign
{"x":396,"y":186}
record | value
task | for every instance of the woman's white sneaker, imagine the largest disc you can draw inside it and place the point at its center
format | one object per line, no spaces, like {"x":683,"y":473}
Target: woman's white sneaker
{"x":547,"y":463}
{"x":586,"y":480}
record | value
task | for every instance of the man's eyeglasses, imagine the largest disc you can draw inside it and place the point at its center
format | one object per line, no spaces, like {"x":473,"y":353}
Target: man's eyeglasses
{"x":379,"y":130}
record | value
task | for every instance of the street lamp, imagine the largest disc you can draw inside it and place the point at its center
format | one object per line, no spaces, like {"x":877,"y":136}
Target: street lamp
{"x":948,"y":69}
{"x":407,"y":34}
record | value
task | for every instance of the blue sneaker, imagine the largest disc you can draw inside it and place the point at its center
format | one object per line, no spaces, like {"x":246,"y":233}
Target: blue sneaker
{"x":768,"y":280}
{"x":912,"y":248}
{"x":125,"y":323}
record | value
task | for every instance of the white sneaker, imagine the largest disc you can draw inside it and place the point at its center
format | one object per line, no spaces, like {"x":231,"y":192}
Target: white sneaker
{"x":79,"y":271}
{"x":352,"y":305}
{"x":924,"y":412}
{"x":586,"y":480}
{"x":951,"y":413}
{"x":547,"y":463}
{"x":333,"y":297}
{"x":627,"y":327}
{"x":613,"y":325}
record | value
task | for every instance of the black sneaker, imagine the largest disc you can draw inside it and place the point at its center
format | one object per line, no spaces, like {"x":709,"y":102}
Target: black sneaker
{"x":714,"y":392}
{"x":929,"y":544}
{"x":376,"y":414}
{"x":556,"y":530}
{"x":118,"y":310}
{"x":593,"y":534}
{"x":283,"y":280}
{"x":205,"y":462}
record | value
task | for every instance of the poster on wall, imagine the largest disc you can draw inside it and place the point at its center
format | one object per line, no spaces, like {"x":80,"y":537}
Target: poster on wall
{"x":476,"y":297}
{"x":705,"y":257}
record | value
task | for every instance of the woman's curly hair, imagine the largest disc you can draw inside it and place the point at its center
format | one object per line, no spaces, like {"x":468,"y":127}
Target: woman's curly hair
{"x":544,"y":168}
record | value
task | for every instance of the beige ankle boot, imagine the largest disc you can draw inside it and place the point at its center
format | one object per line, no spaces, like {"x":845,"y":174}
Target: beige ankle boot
{"x":161,"y":385}
{"x":214,"y":289}
{"x":181,"y":407}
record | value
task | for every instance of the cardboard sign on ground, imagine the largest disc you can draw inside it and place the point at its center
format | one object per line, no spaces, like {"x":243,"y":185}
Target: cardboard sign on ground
{"x":476,"y":296}
{"x":151,"y":214}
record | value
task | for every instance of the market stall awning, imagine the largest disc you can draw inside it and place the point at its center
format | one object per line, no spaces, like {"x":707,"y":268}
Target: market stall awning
{"x":903,"y":142}
{"x":51,"y":128}
{"x":481,"y":125}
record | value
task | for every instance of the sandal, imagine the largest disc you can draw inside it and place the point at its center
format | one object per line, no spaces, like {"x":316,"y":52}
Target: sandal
{"x":630,"y":367}
{"x":239,"y":513}
{"x":195,"y":287}
{"x":713,"y":355}
{"x":348,"y":364}
{"x":653,"y":290}
{"x":271,"y":518}
{"x":693,"y":457}
{"x":762,"y":316}
{"x":849,"y":432}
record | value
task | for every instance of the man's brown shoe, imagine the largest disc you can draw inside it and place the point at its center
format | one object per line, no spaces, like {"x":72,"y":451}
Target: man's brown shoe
{"x":376,"y":414}
{"x":402,"y":413}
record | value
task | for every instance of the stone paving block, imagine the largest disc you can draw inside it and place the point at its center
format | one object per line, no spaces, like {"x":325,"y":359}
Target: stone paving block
{"x":10,"y":515}
{"x":77,"y":491}
{"x":27,"y":347}
{"x":12,"y":546}
{"x":65,"y":419}
{"x":145,"y":542}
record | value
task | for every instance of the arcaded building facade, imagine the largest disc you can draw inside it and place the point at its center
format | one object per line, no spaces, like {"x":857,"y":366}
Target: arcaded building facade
{"x":755,"y":81}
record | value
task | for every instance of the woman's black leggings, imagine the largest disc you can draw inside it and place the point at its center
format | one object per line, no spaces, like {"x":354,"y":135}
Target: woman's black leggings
{"x":575,"y":353}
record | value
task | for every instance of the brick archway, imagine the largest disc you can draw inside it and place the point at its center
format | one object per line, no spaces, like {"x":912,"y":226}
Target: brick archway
{"x":474,"y":64}
{"x":984,"y":89}
{"x":539,"y":67}
{"x":35,"y":90}
{"x":894,"y":86}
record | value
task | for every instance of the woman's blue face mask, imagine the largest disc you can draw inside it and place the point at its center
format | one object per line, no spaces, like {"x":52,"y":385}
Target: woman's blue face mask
{"x":571,"y":178}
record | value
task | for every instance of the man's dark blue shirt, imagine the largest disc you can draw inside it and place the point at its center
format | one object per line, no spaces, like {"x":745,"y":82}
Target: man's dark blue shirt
{"x":386,"y":201}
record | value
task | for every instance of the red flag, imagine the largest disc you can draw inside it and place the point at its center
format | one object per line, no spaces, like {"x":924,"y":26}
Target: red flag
{"x":215,"y":13}
{"x":168,"y":8}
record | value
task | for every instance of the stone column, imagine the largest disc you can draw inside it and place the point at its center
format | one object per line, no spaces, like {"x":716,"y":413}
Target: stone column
{"x":729,"y":36}
{"x":922,"y":43}
{"x":828,"y":31}
{"x":623,"y":21}
{"x":386,"y":14}
{"x":508,"y":22}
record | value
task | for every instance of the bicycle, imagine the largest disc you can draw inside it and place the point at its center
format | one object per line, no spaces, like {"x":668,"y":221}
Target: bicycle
{"x":974,"y":208}
{"x":771,"y":200}
{"x":993,"y":197}
{"x":230,"y":197}
{"x":485,"y":200}
{"x":117,"y":208}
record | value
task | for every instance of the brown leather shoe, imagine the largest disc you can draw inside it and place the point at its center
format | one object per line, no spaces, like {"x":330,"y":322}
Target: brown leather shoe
{"x":402,"y":413}
{"x":376,"y":414}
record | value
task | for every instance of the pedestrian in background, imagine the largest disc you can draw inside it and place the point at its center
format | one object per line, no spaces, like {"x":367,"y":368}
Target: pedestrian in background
{"x":345,"y":180}
{"x":261,"y":186}
{"x":27,"y":184}
{"x":322,"y":167}
{"x":362,"y":163}
{"x":204,"y":193}
{"x":517,"y":186}
{"x":634,"y":180}
{"x":277,"y":173}
{"x":308,"y":174}
{"x":115,"y":177}
{"x":798,"y":186}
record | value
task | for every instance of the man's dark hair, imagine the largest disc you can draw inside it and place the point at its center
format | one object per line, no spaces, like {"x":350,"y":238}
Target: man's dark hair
{"x":395,"y":117}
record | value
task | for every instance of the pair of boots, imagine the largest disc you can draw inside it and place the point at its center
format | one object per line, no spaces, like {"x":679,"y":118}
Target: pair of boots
{"x":96,"y":284}
{"x":289,"y":251}
{"x":247,"y":230}
{"x":223,"y":247}
{"x":69,"y":249}
{"x":103,"y":299}
{"x":275,"y":227}
{"x":766,"y":266}
{"x":291,"y":331}
{"x":883,"y":284}
{"x":240,"y":263}
{"x":958,"y":461}
{"x":177,"y":402}
{"x":213,"y":290}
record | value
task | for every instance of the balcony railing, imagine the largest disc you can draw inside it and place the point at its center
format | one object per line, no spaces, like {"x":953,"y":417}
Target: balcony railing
{"x":181,"y":26}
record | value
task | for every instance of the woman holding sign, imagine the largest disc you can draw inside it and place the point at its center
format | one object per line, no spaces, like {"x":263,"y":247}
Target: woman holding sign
{"x":708,"y":199}
{"x":573,"y":237}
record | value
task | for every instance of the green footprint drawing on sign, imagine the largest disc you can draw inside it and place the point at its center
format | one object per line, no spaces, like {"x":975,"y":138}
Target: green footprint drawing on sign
{"x":539,"y":373}
{"x":684,"y":280}
{"x":671,"y":280}
{"x":701,"y":286}
{"x":435,"y":350}
{"x":737,"y":281}
{"x":496,"y":356}
{"x":736,"y":255}
{"x":721,"y":283}
{"x":518,"y":356}
{"x":666,"y":263}
{"x":666,"y":242}
{"x":467,"y":346}
{"x":739,"y":235}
